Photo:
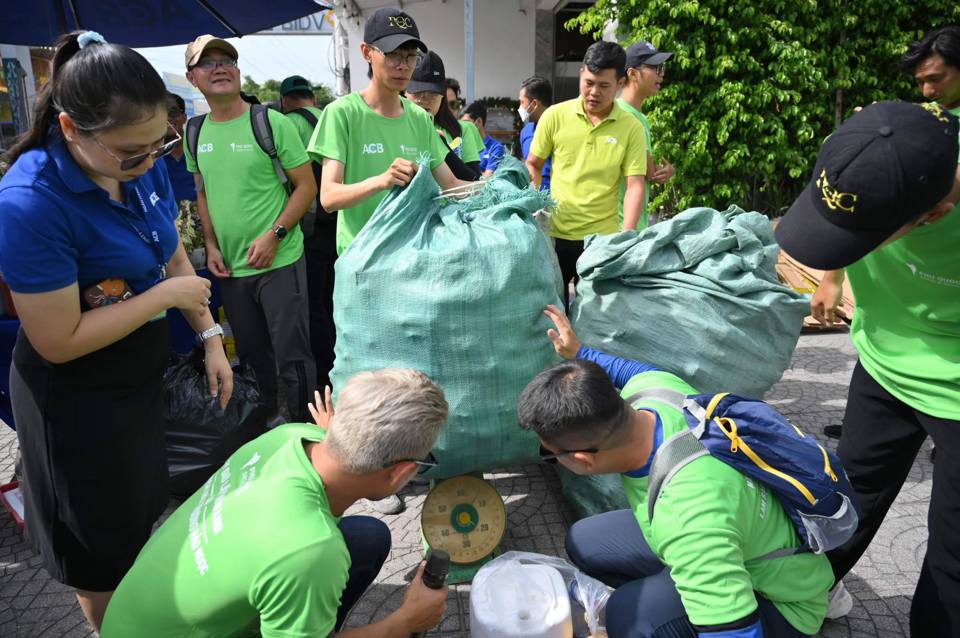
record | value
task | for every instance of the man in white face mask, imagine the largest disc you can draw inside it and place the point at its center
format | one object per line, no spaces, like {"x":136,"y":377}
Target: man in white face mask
{"x":536,"y":95}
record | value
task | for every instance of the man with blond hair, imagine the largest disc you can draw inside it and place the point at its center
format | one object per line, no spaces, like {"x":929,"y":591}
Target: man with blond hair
{"x":262,"y":547}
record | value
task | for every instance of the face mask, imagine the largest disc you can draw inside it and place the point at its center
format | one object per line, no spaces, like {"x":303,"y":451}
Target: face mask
{"x":524,"y":114}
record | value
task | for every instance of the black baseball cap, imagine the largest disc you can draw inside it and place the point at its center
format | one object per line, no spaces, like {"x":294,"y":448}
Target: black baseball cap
{"x":295,"y":83}
{"x":388,"y":29}
{"x":429,"y":75}
{"x":882,"y":169}
{"x":645,"y":53}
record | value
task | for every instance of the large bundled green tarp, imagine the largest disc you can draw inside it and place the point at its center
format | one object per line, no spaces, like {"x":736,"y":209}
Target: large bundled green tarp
{"x":457,"y":289}
{"x":698,"y":296}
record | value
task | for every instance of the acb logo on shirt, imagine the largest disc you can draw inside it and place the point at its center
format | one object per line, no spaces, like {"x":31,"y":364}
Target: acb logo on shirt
{"x":370,"y":149}
{"x":205,"y":148}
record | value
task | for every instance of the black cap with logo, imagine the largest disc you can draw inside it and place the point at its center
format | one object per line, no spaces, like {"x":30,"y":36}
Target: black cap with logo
{"x":388,"y":29}
{"x":645,"y":53}
{"x":882,"y":169}
{"x":429,"y":75}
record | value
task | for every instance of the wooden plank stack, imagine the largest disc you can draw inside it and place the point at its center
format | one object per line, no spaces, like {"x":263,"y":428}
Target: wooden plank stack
{"x":805,"y":280}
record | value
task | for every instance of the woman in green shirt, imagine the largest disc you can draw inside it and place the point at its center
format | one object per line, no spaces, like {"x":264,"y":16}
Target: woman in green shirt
{"x":427,"y":90}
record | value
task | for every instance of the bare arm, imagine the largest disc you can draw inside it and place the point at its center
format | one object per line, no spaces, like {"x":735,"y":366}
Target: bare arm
{"x":303,"y":195}
{"x":535,"y":167}
{"x":60,"y":332}
{"x":633,"y":201}
{"x":446,"y":179}
{"x":214,"y":257}
{"x":180,"y":266}
{"x":335,"y":195}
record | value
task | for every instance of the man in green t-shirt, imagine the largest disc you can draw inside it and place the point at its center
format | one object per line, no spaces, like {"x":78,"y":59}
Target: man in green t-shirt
{"x":645,"y":72}
{"x":694,"y":568}
{"x":371,"y":141}
{"x":261,"y":549}
{"x":880,"y":208}
{"x":251,"y":227}
{"x":299,"y":103}
{"x":595,"y":145}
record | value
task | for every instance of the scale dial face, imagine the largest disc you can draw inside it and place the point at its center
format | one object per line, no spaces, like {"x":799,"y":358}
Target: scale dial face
{"x":465,"y":517}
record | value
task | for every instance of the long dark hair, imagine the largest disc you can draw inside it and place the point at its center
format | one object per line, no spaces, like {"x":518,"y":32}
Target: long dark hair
{"x":99,"y":87}
{"x":446,"y":120}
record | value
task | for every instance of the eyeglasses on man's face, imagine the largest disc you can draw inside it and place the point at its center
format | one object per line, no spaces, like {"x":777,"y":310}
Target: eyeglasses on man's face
{"x":399,"y":58}
{"x":133,"y":161}
{"x":659,"y":69}
{"x":422,"y":465}
{"x":546,"y":456}
{"x":209,"y":64}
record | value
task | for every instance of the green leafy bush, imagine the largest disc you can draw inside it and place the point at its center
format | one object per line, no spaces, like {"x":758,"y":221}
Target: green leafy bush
{"x":756,"y":85}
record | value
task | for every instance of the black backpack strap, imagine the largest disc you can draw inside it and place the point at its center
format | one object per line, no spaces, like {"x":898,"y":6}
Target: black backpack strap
{"x":193,"y":140}
{"x":307,"y":115}
{"x":263,"y":133}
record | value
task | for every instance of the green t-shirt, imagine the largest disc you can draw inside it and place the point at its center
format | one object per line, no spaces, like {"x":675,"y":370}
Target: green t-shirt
{"x":468,"y":145}
{"x":367,"y":143}
{"x":244,"y":195}
{"x":907,"y":324}
{"x":256,"y":546}
{"x":304,"y":130}
{"x":642,"y":223}
{"x":710,"y":521}
{"x":589,"y":163}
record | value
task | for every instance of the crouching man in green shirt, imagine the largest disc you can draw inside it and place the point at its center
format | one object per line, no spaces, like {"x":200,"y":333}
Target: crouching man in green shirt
{"x":262,"y":550}
{"x":692,"y":570}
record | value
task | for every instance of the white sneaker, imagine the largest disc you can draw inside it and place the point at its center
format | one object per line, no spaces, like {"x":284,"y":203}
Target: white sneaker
{"x":841,"y":602}
{"x":390,"y":505}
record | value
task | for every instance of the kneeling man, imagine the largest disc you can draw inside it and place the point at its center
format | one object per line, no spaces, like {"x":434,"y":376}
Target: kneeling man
{"x":262,"y":546}
{"x":699,"y":566}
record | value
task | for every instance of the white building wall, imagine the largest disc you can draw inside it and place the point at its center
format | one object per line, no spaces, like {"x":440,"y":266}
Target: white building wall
{"x":504,"y":42}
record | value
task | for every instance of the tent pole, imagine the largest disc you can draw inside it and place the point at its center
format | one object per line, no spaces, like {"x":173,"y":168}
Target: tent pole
{"x":219,"y":18}
{"x":468,"y":45}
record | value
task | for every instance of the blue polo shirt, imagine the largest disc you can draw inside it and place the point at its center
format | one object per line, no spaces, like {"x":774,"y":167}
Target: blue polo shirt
{"x":526,"y":141}
{"x":491,"y":154}
{"x":180,"y":178}
{"x":57,"y":227}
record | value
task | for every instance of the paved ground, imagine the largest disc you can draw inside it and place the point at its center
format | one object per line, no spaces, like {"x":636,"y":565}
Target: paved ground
{"x":812,"y":393}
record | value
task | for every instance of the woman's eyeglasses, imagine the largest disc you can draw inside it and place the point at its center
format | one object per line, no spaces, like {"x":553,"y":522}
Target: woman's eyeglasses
{"x":138,"y":159}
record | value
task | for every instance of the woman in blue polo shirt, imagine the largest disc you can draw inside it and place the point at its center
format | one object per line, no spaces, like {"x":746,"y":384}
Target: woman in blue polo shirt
{"x":89,"y":248}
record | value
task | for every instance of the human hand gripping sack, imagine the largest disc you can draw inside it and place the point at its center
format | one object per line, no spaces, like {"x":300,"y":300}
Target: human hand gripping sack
{"x":400,"y":173}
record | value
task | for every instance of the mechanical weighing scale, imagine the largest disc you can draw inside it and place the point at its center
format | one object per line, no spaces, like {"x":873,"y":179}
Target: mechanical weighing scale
{"x":465,"y":517}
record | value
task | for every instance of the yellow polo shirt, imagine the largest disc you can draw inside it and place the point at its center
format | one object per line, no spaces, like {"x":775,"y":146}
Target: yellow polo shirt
{"x":588,"y":163}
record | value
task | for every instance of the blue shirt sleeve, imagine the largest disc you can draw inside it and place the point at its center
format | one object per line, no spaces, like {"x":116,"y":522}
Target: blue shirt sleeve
{"x":620,"y":370}
{"x":37,"y":251}
{"x":753,"y":631}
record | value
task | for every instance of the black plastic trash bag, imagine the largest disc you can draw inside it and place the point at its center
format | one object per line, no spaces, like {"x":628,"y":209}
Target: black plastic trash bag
{"x":201,"y":435}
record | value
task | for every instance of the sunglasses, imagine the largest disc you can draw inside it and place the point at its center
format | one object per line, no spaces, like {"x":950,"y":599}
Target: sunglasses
{"x":546,"y":456}
{"x":136,"y":160}
{"x":422,"y":465}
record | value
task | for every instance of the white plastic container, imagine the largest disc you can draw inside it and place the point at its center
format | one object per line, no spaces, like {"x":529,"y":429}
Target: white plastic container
{"x":519,"y":601}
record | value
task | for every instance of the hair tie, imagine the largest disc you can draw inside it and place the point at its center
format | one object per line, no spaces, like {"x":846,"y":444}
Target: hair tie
{"x":90,"y":36}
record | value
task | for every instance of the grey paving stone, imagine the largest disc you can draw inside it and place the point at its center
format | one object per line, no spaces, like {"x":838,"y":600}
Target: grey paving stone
{"x":812,"y":393}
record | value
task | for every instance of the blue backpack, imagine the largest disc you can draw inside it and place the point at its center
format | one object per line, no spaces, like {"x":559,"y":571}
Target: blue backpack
{"x":759,"y":442}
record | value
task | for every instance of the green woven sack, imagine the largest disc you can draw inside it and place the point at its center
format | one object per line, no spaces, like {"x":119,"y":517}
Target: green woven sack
{"x":455,"y":289}
{"x":697,"y":296}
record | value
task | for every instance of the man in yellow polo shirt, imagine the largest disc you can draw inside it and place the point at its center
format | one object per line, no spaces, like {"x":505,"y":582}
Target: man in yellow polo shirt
{"x":594,"y":144}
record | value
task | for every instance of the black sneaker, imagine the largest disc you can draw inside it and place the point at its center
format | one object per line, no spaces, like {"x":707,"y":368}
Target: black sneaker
{"x":833,"y":431}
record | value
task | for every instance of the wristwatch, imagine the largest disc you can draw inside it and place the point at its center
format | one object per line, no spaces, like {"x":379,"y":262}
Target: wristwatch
{"x":209,"y":333}
{"x":280,"y":232}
